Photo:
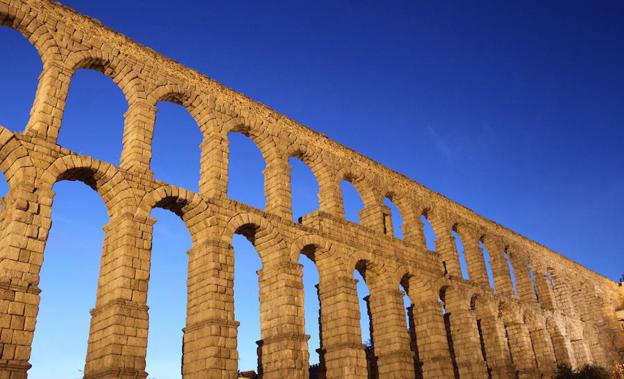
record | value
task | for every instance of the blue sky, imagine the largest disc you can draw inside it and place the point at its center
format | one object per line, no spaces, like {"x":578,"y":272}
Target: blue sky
{"x":514,"y":110}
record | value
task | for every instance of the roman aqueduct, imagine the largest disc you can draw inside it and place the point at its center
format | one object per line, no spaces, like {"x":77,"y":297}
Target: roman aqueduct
{"x":559,"y":311}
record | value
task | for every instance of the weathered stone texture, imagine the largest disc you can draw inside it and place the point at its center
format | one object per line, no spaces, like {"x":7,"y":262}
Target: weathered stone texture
{"x":562,"y":314}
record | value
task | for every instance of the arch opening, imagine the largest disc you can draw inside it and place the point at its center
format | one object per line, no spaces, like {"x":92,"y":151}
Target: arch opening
{"x":447,"y":326}
{"x":461,"y":253}
{"x":304,"y":189}
{"x":352,"y":201}
{"x":93,"y":120}
{"x":247,"y":297}
{"x":488,"y":264}
{"x":366,"y":322}
{"x":245,"y":171}
{"x":428,"y":233}
{"x":68,"y":291}
{"x":393,"y":222}
{"x":512,"y":275}
{"x":311,"y":305}
{"x":176,"y":146}
{"x":410,"y":319}
{"x":167,"y":293}
{"x":21,"y":65}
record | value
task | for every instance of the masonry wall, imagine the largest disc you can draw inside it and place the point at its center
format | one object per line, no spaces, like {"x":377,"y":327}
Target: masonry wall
{"x":559,"y":312}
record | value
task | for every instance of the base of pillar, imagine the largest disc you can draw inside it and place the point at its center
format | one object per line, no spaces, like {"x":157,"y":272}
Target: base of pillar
{"x":14,"y":370}
{"x":121,"y":373}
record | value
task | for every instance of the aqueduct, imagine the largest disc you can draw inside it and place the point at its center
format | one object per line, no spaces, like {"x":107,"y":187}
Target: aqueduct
{"x":555,"y":311}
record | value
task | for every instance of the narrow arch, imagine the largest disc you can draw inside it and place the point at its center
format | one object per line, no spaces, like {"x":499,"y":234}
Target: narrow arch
{"x":246,"y":166}
{"x":461,"y":253}
{"x":488,"y":264}
{"x":352,"y":200}
{"x":366,"y":322}
{"x":21,"y":65}
{"x":511,"y":271}
{"x":312,"y":306}
{"x":447,"y":325}
{"x":176,"y":153}
{"x":393,"y":220}
{"x":167,"y":291}
{"x":409,"y":306}
{"x":94,"y":108}
{"x":247,"y":305}
{"x":428,"y":232}
{"x":68,"y":290}
{"x":304,"y":187}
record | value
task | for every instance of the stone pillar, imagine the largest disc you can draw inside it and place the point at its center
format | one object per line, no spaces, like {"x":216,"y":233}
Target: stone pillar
{"x":213,"y":181}
{"x":211,"y":331}
{"x":497,"y":355}
{"x":277,"y":187}
{"x":49,"y":105}
{"x":445,"y":243}
{"x":414,"y":342}
{"x":330,"y":193}
{"x":465,"y":335}
{"x":136,"y":154}
{"x":283,"y":350}
{"x":343,"y":351}
{"x":562,"y":294}
{"x":519,"y":343}
{"x":391,"y":339}
{"x":119,"y":321}
{"x":25,"y":226}
{"x":474,"y":255}
{"x":500,"y":269}
{"x":579,"y":345}
{"x":413,"y":229}
{"x":561,"y":344}
{"x":372,"y":216}
{"x":433,"y":347}
{"x":542,"y":345}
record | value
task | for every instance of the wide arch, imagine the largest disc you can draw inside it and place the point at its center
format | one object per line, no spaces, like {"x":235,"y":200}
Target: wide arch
{"x":35,"y":31}
{"x":186,"y":96}
{"x":104,"y":178}
{"x":260,"y":232}
{"x":124,"y":76}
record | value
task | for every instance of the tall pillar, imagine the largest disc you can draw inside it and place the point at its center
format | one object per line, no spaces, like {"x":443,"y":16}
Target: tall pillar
{"x":542,"y":345}
{"x":119,"y":321}
{"x":49,"y":105}
{"x":519,"y":343}
{"x":445,"y":243}
{"x":213,"y":181}
{"x":500,"y":268}
{"x":330,"y":193}
{"x":277,"y":187}
{"x":343,"y":351}
{"x":466,"y":340}
{"x":25,"y":226}
{"x":561,"y":343}
{"x":136,"y":154}
{"x":474,"y":255}
{"x":497,"y":355}
{"x":372,"y":216}
{"x":391,"y":340}
{"x":211,"y":330}
{"x":283,"y":350}
{"x":433,"y":347}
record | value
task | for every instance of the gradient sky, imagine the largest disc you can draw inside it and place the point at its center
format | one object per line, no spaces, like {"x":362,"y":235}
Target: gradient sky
{"x":514,"y":110}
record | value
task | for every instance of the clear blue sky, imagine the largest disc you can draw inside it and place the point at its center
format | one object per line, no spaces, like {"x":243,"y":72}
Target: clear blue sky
{"x":515,"y":110}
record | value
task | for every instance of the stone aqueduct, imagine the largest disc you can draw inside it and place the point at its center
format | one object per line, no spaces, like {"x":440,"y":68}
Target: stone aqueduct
{"x":562,"y":312}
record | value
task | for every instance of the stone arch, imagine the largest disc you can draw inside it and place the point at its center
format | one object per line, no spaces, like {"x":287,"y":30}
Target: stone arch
{"x":261,"y":233}
{"x":354,"y":176}
{"x":36,"y":32}
{"x":255,"y":131}
{"x":124,"y":75}
{"x":183,"y":203}
{"x":309,"y":244}
{"x":186,"y":96}
{"x":15,"y":162}
{"x":104,"y":178}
